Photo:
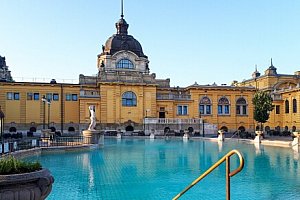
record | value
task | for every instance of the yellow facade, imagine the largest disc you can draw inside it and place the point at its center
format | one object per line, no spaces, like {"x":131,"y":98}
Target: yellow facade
{"x":127,"y":96}
{"x":284,"y":88}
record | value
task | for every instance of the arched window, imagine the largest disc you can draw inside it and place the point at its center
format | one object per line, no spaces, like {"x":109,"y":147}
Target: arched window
{"x":294,"y":105}
{"x":241,"y":106}
{"x":125,"y":64}
{"x":205,"y":106}
{"x":128,"y":99}
{"x":287,"y":107}
{"x":223,"y":106}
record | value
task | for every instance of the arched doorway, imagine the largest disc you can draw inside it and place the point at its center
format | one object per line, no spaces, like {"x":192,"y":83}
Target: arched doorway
{"x":257,"y":128}
{"x":267,"y":128}
{"x":12,"y":129}
{"x":32,"y":129}
{"x":53,"y":129}
{"x":71,"y":129}
{"x":224,"y":128}
{"x":166,"y":130}
{"x":242,"y":129}
{"x":190,"y":129}
{"x":129,"y":128}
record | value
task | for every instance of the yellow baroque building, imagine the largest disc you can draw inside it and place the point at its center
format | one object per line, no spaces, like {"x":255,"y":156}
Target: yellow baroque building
{"x":127,"y":97}
{"x":285,"y":91}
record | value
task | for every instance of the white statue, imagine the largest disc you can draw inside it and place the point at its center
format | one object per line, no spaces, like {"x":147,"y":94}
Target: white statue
{"x":93,"y":118}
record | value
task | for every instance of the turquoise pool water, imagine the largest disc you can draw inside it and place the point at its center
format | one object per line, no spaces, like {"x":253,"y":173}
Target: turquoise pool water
{"x":159,"y":169}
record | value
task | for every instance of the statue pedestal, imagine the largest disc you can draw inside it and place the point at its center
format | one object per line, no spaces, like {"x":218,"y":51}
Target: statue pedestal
{"x":258,"y":136}
{"x":152,"y":136}
{"x":92,"y":137}
{"x":185,"y":136}
{"x":221,"y":135}
{"x":119,"y":135}
{"x":296,"y":140}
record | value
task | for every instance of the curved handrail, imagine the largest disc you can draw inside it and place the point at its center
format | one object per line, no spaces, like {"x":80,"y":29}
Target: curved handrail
{"x":236,"y":133}
{"x":228,"y":173}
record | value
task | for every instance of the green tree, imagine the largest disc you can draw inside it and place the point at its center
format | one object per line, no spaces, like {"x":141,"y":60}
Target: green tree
{"x":262,"y":102}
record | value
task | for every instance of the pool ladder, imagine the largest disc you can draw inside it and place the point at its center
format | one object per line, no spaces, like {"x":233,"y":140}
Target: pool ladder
{"x":228,"y":173}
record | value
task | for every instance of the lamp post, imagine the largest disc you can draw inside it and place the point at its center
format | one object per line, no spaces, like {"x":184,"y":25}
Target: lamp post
{"x":202,"y":124}
{"x":147,"y":110}
{"x":1,"y":124}
{"x":44,"y":100}
{"x":49,"y":103}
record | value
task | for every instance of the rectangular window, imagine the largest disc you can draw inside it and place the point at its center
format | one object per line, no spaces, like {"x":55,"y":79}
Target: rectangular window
{"x":185,"y":110}
{"x":220,"y":109}
{"x":74,"y":97}
{"x":68,"y":97}
{"x":208,"y":109}
{"x":238,"y":110}
{"x":244,"y":110}
{"x":55,"y":97}
{"x":226,"y":109}
{"x":179,"y":110}
{"x":9,"y":96}
{"x":29,"y":96}
{"x":16,"y":96}
{"x":36,"y":96}
{"x":277,"y":109}
{"x":201,"y":109}
{"x":182,"y":110}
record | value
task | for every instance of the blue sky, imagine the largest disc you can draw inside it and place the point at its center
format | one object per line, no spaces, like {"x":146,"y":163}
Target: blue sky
{"x":193,"y":40}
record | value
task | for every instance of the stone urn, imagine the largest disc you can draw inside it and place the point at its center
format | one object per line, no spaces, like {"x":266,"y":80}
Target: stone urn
{"x":34,"y":185}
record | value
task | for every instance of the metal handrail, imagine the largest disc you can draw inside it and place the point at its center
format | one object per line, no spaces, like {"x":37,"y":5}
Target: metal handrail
{"x":236,"y":133}
{"x":228,"y":173}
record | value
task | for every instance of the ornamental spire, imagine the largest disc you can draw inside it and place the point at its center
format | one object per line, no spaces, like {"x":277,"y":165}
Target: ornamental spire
{"x":271,"y":62}
{"x":122,"y":25}
{"x":122,"y":9}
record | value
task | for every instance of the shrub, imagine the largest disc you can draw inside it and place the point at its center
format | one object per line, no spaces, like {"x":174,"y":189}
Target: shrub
{"x":11,"y":165}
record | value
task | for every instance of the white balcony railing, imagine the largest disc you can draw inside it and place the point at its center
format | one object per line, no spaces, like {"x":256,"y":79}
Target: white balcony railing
{"x":171,"y":121}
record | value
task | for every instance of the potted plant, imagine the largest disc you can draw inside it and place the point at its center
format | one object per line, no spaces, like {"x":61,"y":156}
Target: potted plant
{"x":262,"y":102}
{"x":23,"y":180}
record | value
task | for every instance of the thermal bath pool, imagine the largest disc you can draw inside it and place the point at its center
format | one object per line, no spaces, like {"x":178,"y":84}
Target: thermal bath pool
{"x":159,"y":169}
